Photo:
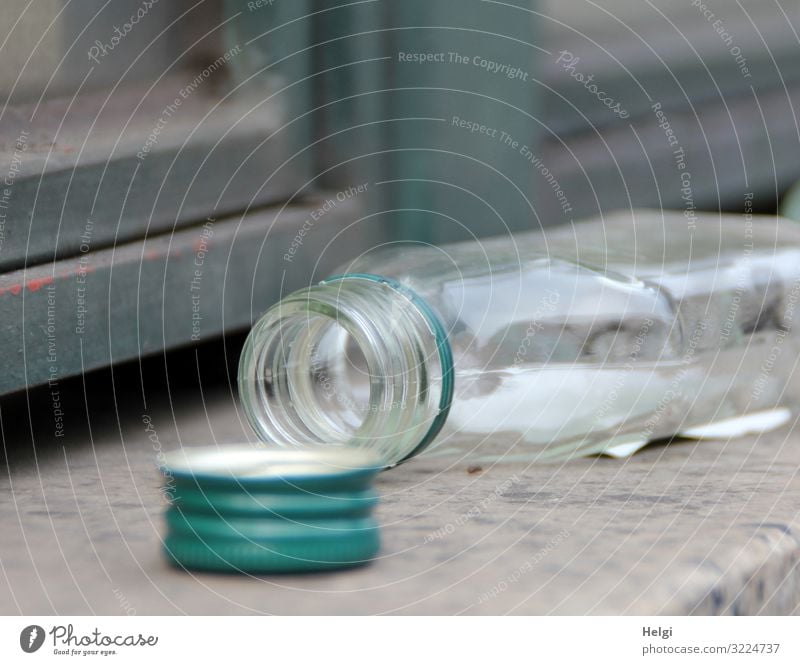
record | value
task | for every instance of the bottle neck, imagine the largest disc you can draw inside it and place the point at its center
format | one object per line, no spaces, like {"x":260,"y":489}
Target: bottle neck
{"x":355,"y":360}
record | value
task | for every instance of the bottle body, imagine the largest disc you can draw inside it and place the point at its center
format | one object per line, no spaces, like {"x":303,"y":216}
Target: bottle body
{"x":592,"y":338}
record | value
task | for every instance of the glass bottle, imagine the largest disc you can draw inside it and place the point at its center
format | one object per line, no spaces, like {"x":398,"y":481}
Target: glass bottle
{"x":596,"y":337}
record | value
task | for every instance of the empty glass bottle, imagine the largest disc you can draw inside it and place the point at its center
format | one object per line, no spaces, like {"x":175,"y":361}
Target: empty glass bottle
{"x":588,"y":338}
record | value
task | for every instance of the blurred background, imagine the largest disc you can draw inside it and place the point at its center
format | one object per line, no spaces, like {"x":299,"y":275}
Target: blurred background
{"x":172,"y":168}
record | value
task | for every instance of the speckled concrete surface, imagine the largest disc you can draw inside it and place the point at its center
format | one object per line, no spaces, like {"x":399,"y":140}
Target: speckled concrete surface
{"x":688,"y":527}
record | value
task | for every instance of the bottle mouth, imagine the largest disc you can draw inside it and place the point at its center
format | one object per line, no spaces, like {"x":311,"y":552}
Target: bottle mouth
{"x":356,"y":360}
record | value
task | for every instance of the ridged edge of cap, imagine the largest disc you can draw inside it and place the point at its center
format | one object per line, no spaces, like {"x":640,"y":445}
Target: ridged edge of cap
{"x":352,"y":549}
{"x":273,"y":505}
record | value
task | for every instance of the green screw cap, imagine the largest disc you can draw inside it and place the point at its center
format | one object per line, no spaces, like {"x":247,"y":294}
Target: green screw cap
{"x":238,"y":508}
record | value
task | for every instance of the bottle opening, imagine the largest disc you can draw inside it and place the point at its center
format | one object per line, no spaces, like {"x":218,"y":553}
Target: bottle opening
{"x":347,"y":362}
{"x":328,"y":379}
